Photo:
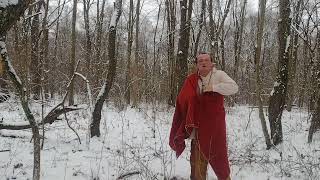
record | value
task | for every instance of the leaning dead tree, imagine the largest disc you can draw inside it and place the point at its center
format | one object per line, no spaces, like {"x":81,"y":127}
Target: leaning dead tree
{"x":104,"y":92}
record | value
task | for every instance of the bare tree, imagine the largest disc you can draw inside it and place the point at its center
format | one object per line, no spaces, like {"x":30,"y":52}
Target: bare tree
{"x":88,"y":53}
{"x":261,"y":21}
{"x":104,"y":92}
{"x":201,"y":24}
{"x":137,"y":84}
{"x":279,"y":92}
{"x":73,"y":51}
{"x":129,"y":52}
{"x":294,"y":56}
{"x":239,"y":27}
{"x":315,"y":121}
{"x":183,"y":44}
{"x":9,"y":16}
{"x":171,"y":24}
{"x":215,"y":28}
{"x":99,"y":68}
{"x":35,"y":65}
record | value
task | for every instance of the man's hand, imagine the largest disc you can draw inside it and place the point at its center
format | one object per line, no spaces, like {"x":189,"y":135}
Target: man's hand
{"x":208,"y":88}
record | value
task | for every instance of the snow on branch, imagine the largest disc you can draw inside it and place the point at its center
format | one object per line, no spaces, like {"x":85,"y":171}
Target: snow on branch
{"x":115,"y":15}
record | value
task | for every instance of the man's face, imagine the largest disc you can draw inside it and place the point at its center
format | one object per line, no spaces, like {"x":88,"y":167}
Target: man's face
{"x":204,"y":64}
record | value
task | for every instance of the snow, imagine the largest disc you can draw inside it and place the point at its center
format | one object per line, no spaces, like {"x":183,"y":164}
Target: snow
{"x":287,"y":43}
{"x":5,"y":3}
{"x":126,"y":145}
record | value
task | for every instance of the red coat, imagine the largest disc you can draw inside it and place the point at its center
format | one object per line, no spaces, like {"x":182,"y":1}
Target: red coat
{"x":206,"y":113}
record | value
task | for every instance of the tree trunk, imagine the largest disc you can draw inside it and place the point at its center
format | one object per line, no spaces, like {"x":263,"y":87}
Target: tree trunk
{"x":35,"y":65}
{"x":25,"y":105}
{"x":294,"y":55}
{"x":99,"y":69}
{"x":261,"y":21}
{"x":73,"y":51}
{"x":315,"y":121}
{"x":104,"y":92}
{"x":129,"y":52}
{"x":238,"y":40}
{"x":279,"y":92}
{"x":171,"y":23}
{"x":183,"y":44}
{"x":201,"y":24}
{"x":137,"y":68}
{"x":88,"y":53}
{"x":216,"y":28}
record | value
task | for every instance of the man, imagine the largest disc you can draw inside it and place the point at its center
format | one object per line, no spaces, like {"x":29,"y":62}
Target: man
{"x":200,"y":116}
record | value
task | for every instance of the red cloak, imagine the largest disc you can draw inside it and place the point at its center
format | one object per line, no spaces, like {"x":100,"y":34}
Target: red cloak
{"x":206,"y":113}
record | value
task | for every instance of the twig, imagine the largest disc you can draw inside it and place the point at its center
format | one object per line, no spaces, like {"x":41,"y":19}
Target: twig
{"x":65,"y":116}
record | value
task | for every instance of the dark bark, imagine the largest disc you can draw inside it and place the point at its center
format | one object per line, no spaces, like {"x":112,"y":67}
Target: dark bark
{"x":35,"y":65}
{"x":294,"y":58}
{"x":10,"y":14}
{"x":129,"y":52}
{"x":73,"y":51}
{"x":171,"y":21}
{"x":104,"y":92}
{"x":279,"y":92}
{"x":315,"y":121}
{"x":183,"y":44}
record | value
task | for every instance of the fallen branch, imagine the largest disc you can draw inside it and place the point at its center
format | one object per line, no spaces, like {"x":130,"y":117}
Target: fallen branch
{"x":50,"y":118}
{"x":128,"y":174}
{"x":6,"y":150}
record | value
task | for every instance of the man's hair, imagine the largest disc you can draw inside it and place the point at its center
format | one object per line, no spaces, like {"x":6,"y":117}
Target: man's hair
{"x":203,"y":52}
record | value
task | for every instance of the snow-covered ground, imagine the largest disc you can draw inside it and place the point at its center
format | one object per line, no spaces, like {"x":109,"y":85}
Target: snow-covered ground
{"x":128,"y":148}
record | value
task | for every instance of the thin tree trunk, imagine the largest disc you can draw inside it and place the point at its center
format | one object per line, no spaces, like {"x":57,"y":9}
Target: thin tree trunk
{"x":104,"y":92}
{"x":201,"y":24}
{"x":129,"y":52}
{"x":137,"y":75}
{"x":238,"y":40}
{"x":261,"y":21}
{"x":73,"y":51}
{"x":216,"y":28}
{"x":171,"y":23}
{"x":25,"y":105}
{"x":98,"y":46}
{"x":88,"y":53}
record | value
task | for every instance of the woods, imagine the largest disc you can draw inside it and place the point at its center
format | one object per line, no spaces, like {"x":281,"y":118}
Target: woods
{"x":131,"y":53}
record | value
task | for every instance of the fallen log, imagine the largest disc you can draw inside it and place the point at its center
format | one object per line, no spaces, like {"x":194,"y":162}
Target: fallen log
{"x":50,"y":118}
